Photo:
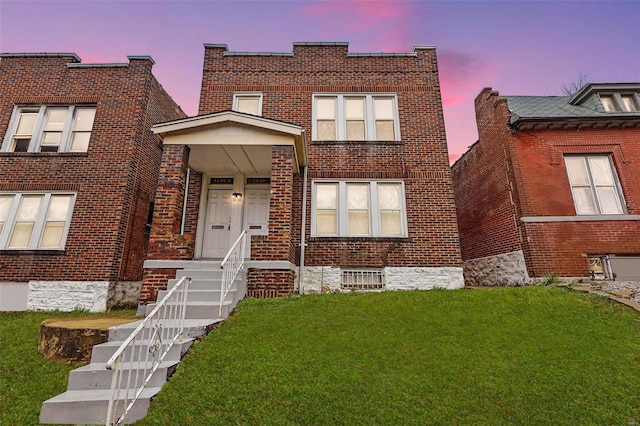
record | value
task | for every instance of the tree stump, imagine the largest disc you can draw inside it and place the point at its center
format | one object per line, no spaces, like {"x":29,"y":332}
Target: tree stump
{"x":72,"y":339}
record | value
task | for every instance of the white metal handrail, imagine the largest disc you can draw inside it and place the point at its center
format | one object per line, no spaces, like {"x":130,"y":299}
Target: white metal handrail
{"x":231,"y":265}
{"x":140,"y":355}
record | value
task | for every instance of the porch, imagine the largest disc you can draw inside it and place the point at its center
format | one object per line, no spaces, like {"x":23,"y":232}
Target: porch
{"x":222,"y":174}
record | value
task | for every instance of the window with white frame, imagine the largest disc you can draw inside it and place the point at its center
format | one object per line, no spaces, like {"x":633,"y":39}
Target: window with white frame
{"x":32,"y":221}
{"x":594,"y":185}
{"x":355,"y":117}
{"x":620,"y":102}
{"x":49,"y":129}
{"x":358,"y":209}
{"x":250,"y":103}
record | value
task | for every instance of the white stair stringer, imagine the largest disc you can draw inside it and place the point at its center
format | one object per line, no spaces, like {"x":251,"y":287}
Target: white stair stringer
{"x":89,"y":388}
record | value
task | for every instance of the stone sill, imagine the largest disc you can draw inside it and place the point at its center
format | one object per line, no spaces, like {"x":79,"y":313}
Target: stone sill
{"x":43,"y":154}
{"x":365,"y":239}
{"x":367,"y":143}
{"x":54,"y":252}
{"x":585,"y":218}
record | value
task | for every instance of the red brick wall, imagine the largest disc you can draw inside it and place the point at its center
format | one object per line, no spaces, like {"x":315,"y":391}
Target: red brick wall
{"x":269,"y":282}
{"x":166,"y":241}
{"x":278,"y":244}
{"x":528,"y":167}
{"x":420,"y":158}
{"x":113,"y":180}
{"x":483,"y":184}
{"x":562,"y":247}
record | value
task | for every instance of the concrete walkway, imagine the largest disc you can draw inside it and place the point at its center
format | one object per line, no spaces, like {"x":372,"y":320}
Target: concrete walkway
{"x":625,"y":293}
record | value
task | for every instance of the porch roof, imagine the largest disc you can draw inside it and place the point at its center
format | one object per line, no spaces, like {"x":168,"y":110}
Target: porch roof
{"x":241,"y":139}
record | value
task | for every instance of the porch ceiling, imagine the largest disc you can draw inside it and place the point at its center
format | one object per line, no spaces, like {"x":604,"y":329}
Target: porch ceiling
{"x":231,"y":159}
{"x":229,"y":142}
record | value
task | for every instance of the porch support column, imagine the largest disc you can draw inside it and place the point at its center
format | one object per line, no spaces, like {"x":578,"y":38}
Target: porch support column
{"x":166,"y":242}
{"x":278,"y":244}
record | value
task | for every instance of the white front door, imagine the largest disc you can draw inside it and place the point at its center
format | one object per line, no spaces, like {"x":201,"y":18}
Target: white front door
{"x":217,"y":224}
{"x":256,"y":215}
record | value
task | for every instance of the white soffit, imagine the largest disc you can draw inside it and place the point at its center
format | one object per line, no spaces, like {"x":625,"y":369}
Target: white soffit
{"x":230,"y":128}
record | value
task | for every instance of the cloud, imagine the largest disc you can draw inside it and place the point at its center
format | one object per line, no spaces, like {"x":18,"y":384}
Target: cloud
{"x":462,"y":76}
{"x":383,"y":24}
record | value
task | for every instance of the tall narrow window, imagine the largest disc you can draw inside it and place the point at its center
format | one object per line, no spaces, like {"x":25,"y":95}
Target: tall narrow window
{"x":24,"y":131}
{"x":55,"y":221}
{"x":325,"y":118}
{"x":82,"y":127}
{"x":25,"y":221}
{"x":358,"y":209}
{"x":383,"y":110}
{"x":326,"y":197}
{"x":54,"y":125}
{"x":390,"y":201}
{"x":354,"y":115}
{"x":248,"y":103}
{"x":5,"y":206}
{"x":594,"y":185}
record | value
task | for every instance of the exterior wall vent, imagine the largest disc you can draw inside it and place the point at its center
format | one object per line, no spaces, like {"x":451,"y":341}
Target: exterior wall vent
{"x":363,"y":279}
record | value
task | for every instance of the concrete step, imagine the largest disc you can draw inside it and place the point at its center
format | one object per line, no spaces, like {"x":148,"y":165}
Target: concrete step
{"x":212,"y":296}
{"x":199,"y":273}
{"x":201,"y":310}
{"x":192,"y":328}
{"x":96,"y":376}
{"x":102,"y":352}
{"x":90,"y":407}
{"x":199,"y":284}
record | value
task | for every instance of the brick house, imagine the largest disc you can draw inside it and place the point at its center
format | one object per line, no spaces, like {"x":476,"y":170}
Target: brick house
{"x":552,"y":186}
{"x":79,"y":168}
{"x":334,"y":163}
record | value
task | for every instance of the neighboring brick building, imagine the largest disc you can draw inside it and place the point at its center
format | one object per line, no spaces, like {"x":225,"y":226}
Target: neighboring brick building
{"x":355,"y":141}
{"x":79,"y":168}
{"x":552,"y":186}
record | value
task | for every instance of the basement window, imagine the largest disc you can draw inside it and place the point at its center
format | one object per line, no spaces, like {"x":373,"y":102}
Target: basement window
{"x":363,"y":279}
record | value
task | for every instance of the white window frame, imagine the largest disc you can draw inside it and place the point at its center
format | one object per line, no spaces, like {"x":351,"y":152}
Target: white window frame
{"x":618,"y":103}
{"x":36,"y":235}
{"x":238,"y":96}
{"x":343,"y":211}
{"x":369,"y":114}
{"x":39,"y":127}
{"x":617,"y":190}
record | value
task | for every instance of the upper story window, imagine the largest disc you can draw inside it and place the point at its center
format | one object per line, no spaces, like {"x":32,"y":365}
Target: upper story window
{"x":358,"y":209}
{"x":355,"y":117}
{"x":594,"y":185}
{"x":49,"y":129}
{"x":620,"y":102}
{"x":250,"y":103}
{"x":31,"y":221}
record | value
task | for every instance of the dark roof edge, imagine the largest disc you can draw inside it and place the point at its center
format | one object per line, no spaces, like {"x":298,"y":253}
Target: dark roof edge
{"x":590,"y":88}
{"x":75,"y":57}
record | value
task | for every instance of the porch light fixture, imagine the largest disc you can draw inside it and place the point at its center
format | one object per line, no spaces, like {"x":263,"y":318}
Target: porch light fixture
{"x":236,"y":195}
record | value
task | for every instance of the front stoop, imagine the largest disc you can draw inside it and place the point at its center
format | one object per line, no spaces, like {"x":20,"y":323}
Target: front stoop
{"x":89,"y":388}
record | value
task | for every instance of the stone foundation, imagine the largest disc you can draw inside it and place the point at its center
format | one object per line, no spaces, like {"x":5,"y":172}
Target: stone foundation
{"x":93,"y":296}
{"x":506,"y":270}
{"x":327,"y":279}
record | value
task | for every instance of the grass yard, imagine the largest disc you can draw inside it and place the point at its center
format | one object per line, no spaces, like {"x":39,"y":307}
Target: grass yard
{"x":536,"y":355}
{"x":27,"y":379}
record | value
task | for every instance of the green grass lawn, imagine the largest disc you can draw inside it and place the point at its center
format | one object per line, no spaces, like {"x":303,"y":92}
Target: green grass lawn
{"x":535,"y":355}
{"x":26,"y":378}
{"x":538,"y":355}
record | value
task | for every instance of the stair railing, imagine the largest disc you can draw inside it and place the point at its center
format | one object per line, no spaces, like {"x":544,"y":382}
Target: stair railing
{"x":140,"y":355}
{"x":231,"y":265}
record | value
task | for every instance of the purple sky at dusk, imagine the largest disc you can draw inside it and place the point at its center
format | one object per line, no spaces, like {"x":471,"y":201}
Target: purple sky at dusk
{"x":518,"y":48}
